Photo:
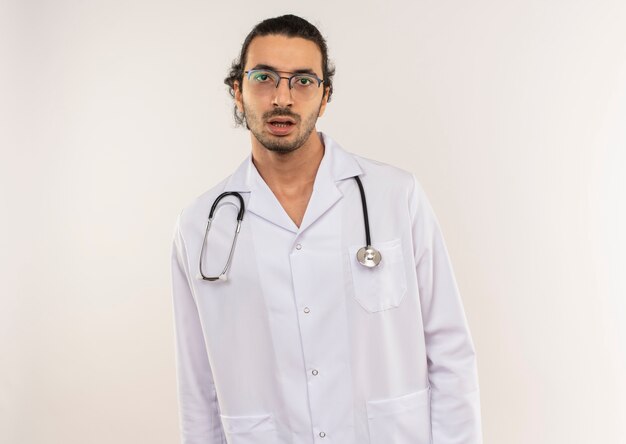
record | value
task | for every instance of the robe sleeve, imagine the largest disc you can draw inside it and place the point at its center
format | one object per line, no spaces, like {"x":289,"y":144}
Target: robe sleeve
{"x":452,"y":369}
{"x":198,"y":405}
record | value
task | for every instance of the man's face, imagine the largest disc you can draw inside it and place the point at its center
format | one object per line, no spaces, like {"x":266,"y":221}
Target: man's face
{"x":281,"y":120}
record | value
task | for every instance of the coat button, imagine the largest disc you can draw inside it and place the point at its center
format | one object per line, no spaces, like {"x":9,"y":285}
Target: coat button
{"x":298,"y":247}
{"x":315,"y":372}
{"x":306,"y":310}
{"x":322,"y":434}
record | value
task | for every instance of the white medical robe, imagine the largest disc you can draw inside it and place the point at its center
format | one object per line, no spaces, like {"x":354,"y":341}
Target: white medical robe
{"x":304,"y":345}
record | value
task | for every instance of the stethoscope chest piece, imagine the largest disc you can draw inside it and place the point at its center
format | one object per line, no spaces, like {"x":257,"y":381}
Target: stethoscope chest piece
{"x":368,"y":256}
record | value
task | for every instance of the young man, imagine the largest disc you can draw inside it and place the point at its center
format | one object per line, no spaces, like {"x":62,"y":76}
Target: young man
{"x":298,"y":334}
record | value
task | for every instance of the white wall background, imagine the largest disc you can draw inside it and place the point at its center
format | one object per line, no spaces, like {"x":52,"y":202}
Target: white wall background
{"x":113,"y":116}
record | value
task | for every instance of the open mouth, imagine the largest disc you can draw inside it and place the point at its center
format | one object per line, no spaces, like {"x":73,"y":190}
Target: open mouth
{"x":281,"y":126}
{"x":281,"y":122}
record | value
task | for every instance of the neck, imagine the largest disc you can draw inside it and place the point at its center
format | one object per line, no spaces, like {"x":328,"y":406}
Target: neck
{"x":289,"y":172}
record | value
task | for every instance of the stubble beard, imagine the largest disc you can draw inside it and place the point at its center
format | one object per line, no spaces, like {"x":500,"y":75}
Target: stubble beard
{"x":277,"y":144}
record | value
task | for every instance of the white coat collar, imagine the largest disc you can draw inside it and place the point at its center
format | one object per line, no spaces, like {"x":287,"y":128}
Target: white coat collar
{"x":336,"y":165}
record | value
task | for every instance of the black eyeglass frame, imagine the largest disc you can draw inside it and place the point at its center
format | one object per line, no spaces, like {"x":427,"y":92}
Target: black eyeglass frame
{"x":279,"y":77}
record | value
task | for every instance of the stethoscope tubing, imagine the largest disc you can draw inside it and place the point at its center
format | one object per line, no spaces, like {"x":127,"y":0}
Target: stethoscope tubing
{"x":242,"y":209}
{"x":366,"y":221}
{"x":367,"y":256}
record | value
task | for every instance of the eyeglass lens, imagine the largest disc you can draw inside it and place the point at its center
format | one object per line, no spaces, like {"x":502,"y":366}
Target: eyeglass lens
{"x":302,"y":86}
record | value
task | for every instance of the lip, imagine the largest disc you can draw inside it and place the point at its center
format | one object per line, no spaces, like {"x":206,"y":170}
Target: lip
{"x":279,"y":130}
{"x":281,"y":119}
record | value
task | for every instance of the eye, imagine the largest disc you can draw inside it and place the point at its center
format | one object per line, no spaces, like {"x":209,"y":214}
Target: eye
{"x":304,"y":81}
{"x":261,"y":77}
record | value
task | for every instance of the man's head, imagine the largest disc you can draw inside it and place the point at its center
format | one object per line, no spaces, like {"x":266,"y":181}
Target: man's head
{"x":281,"y":82}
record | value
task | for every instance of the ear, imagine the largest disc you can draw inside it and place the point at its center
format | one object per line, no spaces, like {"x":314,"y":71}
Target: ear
{"x":238,"y":96}
{"x":324,"y":101}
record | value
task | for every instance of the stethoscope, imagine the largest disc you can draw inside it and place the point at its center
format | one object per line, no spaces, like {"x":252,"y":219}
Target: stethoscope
{"x":367,"y":256}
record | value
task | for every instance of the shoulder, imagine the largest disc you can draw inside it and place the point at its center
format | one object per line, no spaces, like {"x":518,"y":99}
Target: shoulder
{"x":396,"y":185}
{"x":197,"y":210}
{"x":381,"y":175}
{"x":386,"y":176}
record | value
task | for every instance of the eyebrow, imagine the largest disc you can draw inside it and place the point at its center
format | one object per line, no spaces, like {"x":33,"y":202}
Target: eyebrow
{"x":295,"y":71}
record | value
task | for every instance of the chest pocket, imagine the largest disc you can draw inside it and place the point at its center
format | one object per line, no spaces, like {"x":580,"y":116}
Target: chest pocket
{"x":382,"y":287}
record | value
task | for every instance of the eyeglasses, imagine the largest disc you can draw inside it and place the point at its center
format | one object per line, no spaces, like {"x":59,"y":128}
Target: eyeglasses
{"x":264,"y":81}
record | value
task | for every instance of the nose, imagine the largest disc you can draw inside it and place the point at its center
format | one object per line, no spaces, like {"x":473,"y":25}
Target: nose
{"x":282,"y":94}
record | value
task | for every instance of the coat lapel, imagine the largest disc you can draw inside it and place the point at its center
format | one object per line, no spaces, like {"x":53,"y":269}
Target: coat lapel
{"x":336,"y":165}
{"x":264,"y":204}
{"x":260,"y":200}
